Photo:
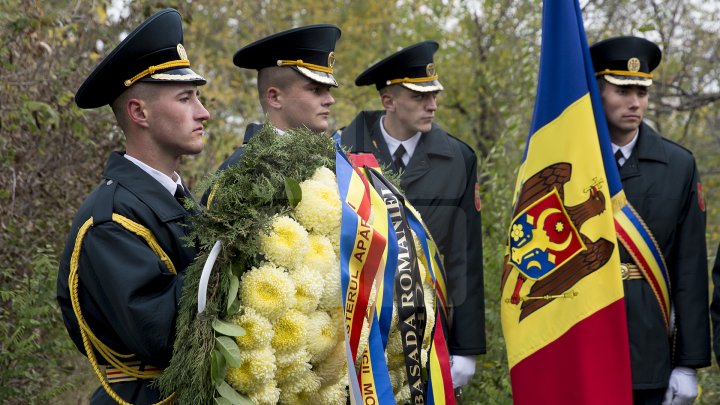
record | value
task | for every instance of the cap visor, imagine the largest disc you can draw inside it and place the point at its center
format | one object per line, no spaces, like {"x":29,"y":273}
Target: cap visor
{"x":628,"y":80}
{"x":176,"y":75}
{"x":425,"y":87}
{"x":314,"y":75}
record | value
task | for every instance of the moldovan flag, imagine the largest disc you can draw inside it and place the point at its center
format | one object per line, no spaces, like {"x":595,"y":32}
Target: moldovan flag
{"x":563,"y":309}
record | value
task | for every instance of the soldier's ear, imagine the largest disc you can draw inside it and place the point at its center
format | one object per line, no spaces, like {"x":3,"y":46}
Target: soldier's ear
{"x":388,"y":101}
{"x":273,"y":98}
{"x":137,"y":112}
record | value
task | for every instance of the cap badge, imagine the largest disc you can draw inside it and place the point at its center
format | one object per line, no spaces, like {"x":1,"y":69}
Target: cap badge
{"x":181,"y":52}
{"x":633,"y":64}
{"x":430,"y":69}
{"x":331,"y":59}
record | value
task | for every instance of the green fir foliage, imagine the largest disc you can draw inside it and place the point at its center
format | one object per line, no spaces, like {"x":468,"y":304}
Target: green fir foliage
{"x":244,"y":199}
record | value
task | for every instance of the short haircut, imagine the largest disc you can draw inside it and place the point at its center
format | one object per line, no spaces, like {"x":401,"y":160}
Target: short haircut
{"x":274,"y":76}
{"x":139,"y":90}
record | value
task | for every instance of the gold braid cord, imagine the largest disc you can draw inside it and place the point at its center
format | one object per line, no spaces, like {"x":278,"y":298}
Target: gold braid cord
{"x":90,"y":341}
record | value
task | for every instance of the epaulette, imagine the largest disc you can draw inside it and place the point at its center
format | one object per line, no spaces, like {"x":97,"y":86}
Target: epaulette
{"x":670,"y":141}
{"x":102,"y":209}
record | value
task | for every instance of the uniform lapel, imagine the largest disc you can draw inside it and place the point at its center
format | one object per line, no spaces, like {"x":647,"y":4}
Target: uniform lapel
{"x":432,"y":145}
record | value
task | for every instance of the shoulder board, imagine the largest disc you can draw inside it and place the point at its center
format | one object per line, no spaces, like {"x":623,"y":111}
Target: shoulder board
{"x":102,"y":208}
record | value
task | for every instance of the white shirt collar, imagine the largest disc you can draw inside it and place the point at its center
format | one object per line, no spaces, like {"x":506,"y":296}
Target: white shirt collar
{"x":409,"y":144}
{"x":626,"y":149}
{"x":167,"y":182}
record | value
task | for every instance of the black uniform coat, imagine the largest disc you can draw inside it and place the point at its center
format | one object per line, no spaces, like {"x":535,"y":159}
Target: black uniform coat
{"x":661,"y":181}
{"x":440,"y":180}
{"x":715,"y":307}
{"x":127,"y":294}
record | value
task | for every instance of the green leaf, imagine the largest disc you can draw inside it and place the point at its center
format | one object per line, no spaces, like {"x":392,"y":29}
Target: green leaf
{"x":217,"y":367}
{"x":222,"y":401}
{"x":233,"y":396}
{"x":229,"y":350}
{"x":293,"y":191}
{"x":232,"y":292}
{"x":227,"y":328}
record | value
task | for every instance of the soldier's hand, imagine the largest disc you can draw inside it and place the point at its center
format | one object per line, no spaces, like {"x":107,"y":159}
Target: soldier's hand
{"x":462,"y":368}
{"x":682,"y":388}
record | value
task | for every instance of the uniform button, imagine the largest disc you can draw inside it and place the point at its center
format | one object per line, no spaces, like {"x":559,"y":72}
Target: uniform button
{"x":109,"y":182}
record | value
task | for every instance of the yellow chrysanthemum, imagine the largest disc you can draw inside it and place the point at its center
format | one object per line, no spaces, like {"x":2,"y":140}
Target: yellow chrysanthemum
{"x":291,"y":371}
{"x":267,"y":394}
{"x":304,"y":382}
{"x":334,"y":367}
{"x":309,"y":285}
{"x":257,"y":367}
{"x":332,"y":395}
{"x":267,"y":289}
{"x":430,"y":312}
{"x":258,"y":329}
{"x":285,"y":359}
{"x":418,"y":246}
{"x":325,"y":176}
{"x":320,"y":209}
{"x":322,"y":336}
{"x":320,"y":254}
{"x":290,"y":331}
{"x":403,"y":395}
{"x":286,"y":243}
{"x":331,"y":298}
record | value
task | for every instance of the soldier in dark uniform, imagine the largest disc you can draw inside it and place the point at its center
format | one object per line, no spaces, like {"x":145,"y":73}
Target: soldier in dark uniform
{"x":661,"y":181}
{"x":295,"y":74}
{"x":121,"y":272}
{"x":439,"y":177}
{"x":715,"y":306}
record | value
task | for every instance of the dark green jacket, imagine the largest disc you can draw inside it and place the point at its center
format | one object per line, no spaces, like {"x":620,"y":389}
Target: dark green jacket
{"x":661,"y":181}
{"x":127,"y":295}
{"x":440,"y":180}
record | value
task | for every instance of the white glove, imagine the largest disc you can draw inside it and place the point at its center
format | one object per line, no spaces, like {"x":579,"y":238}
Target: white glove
{"x":462,"y":368}
{"x":682,"y":388}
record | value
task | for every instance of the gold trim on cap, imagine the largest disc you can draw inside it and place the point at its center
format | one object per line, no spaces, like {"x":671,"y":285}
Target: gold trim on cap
{"x":624,"y":73}
{"x":152,"y":69}
{"x":331,"y":59}
{"x":412,"y":80}
{"x":430,"y":70}
{"x":311,"y":66}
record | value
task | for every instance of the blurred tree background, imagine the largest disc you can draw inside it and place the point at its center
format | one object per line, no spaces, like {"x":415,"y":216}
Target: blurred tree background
{"x":52,"y":153}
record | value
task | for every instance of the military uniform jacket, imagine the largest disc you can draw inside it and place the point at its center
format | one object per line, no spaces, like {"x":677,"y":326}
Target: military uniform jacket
{"x":440,"y":182}
{"x":127,"y":294}
{"x":715,"y":307}
{"x":661,"y":181}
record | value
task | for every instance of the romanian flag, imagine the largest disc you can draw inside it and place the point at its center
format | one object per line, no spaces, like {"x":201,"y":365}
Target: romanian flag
{"x":563,"y":310}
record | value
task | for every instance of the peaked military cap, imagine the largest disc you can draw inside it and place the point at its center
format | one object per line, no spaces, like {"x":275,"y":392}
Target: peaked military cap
{"x":309,"y":50}
{"x":626,"y":61}
{"x":153,"y":52}
{"x":412,"y":67}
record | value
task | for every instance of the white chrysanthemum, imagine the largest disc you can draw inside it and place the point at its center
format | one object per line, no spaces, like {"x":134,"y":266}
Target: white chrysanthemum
{"x":286,"y":243}
{"x":325,"y":176}
{"x":290,"y":331}
{"x":257,"y":367}
{"x":331,"y":298}
{"x":267,"y":394}
{"x":309,"y":285}
{"x":305,"y":386}
{"x":291,"y":371}
{"x":267,"y":289}
{"x":334,"y":367}
{"x":258,"y":329}
{"x":423,"y":357}
{"x":285,"y":359}
{"x":403,"y":396}
{"x":430,"y":311}
{"x":322,"y":336}
{"x":320,"y":254}
{"x":319,"y":210}
{"x":333,"y":395}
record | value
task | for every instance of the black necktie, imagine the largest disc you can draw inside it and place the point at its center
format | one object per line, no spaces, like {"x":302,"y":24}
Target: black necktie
{"x":180,"y":195}
{"x":397,"y":158}
{"x":618,"y":155}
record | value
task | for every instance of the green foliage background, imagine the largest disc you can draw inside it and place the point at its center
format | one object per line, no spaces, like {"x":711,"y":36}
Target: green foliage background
{"x":52,"y":153}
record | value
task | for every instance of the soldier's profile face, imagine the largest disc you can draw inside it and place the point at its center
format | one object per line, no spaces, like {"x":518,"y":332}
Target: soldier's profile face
{"x":415,"y":110}
{"x":176,"y":116}
{"x":625,"y":107}
{"x":306,"y":103}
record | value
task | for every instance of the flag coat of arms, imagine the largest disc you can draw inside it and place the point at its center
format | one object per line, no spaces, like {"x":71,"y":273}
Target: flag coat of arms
{"x":562,"y":309}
